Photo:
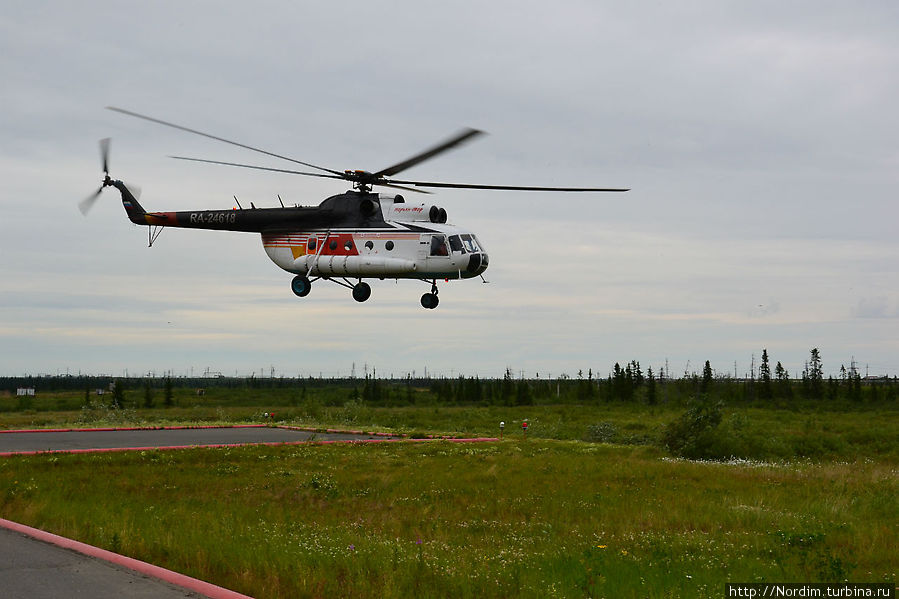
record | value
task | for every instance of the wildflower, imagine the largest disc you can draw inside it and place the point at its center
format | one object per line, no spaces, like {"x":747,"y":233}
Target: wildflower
{"x":624,"y":552}
{"x":352,"y":547}
{"x":601,"y":546}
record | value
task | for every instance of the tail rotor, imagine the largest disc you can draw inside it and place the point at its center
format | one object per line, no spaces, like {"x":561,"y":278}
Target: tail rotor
{"x":87,"y":203}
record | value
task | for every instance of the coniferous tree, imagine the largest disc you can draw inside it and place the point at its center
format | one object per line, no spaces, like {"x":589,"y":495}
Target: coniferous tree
{"x":816,"y":374}
{"x":783,"y":381}
{"x":765,"y":391}
{"x":148,"y":394}
{"x":618,"y":382}
{"x":118,"y":394}
{"x":168,"y":397}
{"x":651,"y":398}
{"x":523,"y":394}
{"x":706,"y":377}
{"x":507,"y":388}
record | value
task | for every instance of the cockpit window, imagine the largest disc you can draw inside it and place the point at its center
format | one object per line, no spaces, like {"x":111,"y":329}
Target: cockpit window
{"x":438,"y":246}
{"x":456,"y":244}
{"x":470,"y":243}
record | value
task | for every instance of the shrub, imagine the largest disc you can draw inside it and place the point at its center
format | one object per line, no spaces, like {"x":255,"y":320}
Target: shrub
{"x":604,"y":432}
{"x":694,"y":434}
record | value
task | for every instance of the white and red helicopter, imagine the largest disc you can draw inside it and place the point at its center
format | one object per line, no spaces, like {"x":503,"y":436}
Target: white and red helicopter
{"x":356,"y":235}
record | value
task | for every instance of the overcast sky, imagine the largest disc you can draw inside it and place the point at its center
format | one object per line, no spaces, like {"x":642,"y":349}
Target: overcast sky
{"x":760,"y":140}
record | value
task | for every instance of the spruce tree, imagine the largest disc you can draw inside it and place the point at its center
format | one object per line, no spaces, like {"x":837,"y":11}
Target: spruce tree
{"x":148,"y":394}
{"x":765,"y":392}
{"x":168,"y":393}
{"x":706,"y":377}
{"x":118,"y":394}
{"x":651,"y":398}
{"x":815,"y":374}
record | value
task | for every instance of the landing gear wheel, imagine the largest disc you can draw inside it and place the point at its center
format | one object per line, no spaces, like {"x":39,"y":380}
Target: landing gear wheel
{"x":429,"y":301}
{"x":361,"y":291}
{"x":301,"y":285}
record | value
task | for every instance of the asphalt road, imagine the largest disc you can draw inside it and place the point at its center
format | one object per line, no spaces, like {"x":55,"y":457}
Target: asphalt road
{"x":32,"y":569}
{"x":35,"y":569}
{"x":80,"y":440}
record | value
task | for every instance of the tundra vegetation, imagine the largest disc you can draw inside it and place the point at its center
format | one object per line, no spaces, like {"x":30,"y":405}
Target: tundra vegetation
{"x":624,"y":487}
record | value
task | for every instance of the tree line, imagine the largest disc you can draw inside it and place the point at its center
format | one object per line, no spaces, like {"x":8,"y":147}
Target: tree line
{"x":627,"y":384}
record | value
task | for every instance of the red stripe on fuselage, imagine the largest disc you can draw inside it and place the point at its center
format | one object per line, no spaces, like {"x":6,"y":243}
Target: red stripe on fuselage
{"x":161,"y":218}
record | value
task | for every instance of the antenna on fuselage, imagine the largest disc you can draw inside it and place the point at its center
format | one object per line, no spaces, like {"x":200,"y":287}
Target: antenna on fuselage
{"x":238,"y":203}
{"x":279,"y":199}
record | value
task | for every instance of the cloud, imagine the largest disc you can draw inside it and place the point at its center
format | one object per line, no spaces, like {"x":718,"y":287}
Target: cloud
{"x":875,"y":307}
{"x":758,"y":140}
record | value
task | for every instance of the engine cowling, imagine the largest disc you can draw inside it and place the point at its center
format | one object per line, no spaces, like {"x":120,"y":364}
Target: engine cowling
{"x":401,"y":211}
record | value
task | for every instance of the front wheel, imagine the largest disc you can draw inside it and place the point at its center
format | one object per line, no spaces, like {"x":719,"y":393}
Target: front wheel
{"x":429,"y":301}
{"x":301,"y":286}
{"x":361,"y":291}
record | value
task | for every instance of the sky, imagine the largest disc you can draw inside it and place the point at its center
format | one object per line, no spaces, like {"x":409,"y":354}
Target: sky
{"x":759,"y":139}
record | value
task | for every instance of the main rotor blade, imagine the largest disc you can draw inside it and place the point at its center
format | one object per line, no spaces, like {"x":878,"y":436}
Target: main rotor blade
{"x":501,"y":187}
{"x":260,"y":168}
{"x":460,"y":137}
{"x":404,"y":188}
{"x":222,"y":139}
{"x":104,"y":154}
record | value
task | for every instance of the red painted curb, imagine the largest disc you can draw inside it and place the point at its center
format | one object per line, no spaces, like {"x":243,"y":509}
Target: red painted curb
{"x":192,"y":584}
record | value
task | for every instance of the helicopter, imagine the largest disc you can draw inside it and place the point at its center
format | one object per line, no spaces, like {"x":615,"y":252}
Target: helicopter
{"x":359,"y":234}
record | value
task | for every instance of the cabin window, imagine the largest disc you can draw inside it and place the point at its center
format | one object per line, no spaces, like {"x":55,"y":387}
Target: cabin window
{"x":438,"y":246}
{"x":388,"y":246}
{"x":456,"y":244}
{"x":348,"y":245}
{"x":333,"y":245}
{"x":369,"y":245}
{"x":470,"y":243}
{"x":312,"y":243}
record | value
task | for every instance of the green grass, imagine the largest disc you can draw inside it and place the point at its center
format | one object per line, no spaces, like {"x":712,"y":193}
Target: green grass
{"x":813,"y":498}
{"x":809,"y":430}
{"x":436,"y":519}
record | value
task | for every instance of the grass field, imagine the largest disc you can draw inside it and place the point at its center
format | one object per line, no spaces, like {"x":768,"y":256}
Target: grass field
{"x":818,"y":431}
{"x":436,"y":519}
{"x":550,"y":516}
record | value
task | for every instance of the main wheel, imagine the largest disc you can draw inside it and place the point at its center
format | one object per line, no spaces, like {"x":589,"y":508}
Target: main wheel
{"x":301,"y":286}
{"x":429,"y":301}
{"x":361,"y":291}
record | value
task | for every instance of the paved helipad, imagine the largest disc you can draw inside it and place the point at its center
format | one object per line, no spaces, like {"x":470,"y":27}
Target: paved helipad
{"x":32,"y":569}
{"x":37,"y":565}
{"x":15,"y":442}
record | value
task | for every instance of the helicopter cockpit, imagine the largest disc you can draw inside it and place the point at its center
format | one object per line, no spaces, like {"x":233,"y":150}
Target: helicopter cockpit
{"x":462,"y":252}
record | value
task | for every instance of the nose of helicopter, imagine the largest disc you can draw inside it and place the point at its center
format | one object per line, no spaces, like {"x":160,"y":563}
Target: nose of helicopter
{"x":477,"y":264}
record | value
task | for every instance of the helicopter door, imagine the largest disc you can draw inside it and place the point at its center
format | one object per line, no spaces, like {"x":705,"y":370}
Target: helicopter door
{"x":457,"y":252}
{"x":439,"y":260}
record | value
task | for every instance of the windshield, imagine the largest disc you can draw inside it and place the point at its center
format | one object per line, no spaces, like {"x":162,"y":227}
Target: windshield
{"x":470,"y":243}
{"x":456,"y":244}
